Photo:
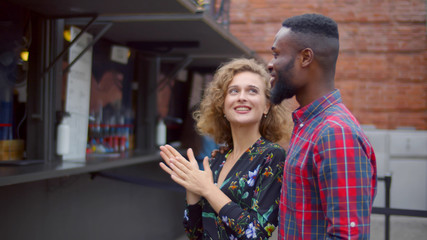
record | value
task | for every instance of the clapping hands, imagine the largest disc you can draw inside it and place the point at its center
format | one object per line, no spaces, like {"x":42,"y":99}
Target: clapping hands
{"x":186,"y":173}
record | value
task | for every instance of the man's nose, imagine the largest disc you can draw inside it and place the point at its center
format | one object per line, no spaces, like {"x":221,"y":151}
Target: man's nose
{"x":270,"y":66}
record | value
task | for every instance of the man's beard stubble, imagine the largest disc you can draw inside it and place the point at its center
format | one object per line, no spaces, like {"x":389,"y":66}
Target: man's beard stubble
{"x":283,"y":89}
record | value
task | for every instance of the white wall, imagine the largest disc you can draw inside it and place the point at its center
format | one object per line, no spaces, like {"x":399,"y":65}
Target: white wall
{"x":403,"y":154}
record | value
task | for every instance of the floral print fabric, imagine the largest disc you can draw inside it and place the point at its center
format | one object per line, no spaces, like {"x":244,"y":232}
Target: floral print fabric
{"x":253,"y":185}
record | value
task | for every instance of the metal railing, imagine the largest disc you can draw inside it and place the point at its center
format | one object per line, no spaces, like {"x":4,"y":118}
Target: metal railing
{"x":220,"y":12}
{"x":387,"y":211}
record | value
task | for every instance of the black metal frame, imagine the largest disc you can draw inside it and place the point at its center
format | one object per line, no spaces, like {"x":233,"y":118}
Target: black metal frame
{"x":43,"y":88}
{"x":387,"y":211}
{"x":45,"y":101}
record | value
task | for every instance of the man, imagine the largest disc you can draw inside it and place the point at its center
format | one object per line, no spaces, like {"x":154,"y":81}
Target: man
{"x":330,"y":172}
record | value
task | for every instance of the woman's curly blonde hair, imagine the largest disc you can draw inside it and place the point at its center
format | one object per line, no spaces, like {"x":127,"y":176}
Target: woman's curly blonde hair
{"x":210,"y":116}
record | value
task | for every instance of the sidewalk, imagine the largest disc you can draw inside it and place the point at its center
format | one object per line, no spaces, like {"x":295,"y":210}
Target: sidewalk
{"x":401,"y":228}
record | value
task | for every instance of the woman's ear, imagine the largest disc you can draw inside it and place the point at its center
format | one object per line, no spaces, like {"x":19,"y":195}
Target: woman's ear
{"x":307,"y":56}
{"x":267,"y":107}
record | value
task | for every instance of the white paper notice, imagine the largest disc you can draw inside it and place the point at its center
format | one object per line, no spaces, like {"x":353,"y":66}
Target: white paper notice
{"x":78,"y":96}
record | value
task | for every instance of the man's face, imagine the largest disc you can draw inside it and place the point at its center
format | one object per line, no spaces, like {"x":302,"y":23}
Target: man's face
{"x":282,"y":67}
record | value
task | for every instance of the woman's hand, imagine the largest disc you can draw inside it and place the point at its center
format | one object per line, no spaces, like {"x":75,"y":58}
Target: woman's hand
{"x":169,"y":155}
{"x":188,"y":174}
{"x":167,"y":152}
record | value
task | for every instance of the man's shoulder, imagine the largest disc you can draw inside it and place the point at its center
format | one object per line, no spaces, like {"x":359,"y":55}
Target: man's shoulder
{"x":338,"y":118}
{"x":338,"y":114}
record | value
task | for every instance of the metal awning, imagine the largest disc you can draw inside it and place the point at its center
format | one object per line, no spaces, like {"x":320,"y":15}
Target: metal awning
{"x":174,"y":28}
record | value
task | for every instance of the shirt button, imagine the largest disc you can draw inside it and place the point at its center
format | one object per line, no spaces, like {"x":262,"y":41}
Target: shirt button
{"x":352,"y":224}
{"x":301,"y":125}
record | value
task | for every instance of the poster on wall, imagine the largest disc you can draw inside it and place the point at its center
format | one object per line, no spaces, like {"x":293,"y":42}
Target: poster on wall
{"x":78,"y":96}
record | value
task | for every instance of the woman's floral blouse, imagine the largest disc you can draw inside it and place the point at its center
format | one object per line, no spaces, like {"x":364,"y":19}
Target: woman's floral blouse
{"x":253,"y":185}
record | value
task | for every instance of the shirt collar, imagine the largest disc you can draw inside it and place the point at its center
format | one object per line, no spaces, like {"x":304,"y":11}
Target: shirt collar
{"x":313,"y":109}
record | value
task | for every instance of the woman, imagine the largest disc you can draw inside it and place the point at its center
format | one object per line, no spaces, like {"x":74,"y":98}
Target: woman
{"x":237,"y":195}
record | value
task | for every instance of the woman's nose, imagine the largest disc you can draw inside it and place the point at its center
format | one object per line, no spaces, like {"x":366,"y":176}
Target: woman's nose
{"x":242,"y":96}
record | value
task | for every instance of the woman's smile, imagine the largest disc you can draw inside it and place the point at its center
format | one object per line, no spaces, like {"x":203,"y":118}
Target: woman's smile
{"x":245,"y":101}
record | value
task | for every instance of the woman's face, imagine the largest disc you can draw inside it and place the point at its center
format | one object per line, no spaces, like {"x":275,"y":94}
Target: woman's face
{"x":245,"y":101}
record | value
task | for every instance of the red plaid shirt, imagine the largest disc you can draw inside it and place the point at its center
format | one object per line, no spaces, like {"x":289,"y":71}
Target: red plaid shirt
{"x":330,"y":175}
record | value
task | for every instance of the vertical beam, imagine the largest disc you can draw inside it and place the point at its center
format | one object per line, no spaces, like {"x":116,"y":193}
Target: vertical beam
{"x":35,"y":104}
{"x":54,"y":95}
{"x":145,"y":126}
{"x":387,"y":179}
{"x":43,"y":89}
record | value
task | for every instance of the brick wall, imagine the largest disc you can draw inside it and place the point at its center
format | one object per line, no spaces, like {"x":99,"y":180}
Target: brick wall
{"x":382,"y":67}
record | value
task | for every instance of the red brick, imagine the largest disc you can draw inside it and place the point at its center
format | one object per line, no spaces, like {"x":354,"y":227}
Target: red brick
{"x":381,"y":70}
{"x":414,"y":63}
{"x":409,"y":10}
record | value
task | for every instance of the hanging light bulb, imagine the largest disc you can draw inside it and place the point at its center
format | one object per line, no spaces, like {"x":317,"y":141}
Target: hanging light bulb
{"x":67,"y":35}
{"x":24,"y":55}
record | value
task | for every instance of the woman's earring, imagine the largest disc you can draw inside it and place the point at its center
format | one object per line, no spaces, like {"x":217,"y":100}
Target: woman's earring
{"x":265,"y":115}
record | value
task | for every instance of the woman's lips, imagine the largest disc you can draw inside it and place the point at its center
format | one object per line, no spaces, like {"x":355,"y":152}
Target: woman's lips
{"x":242,"y":109}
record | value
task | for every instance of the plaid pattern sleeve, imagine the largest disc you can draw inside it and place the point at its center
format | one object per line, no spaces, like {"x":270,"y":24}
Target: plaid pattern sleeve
{"x":344,"y":173}
{"x":330,"y":175}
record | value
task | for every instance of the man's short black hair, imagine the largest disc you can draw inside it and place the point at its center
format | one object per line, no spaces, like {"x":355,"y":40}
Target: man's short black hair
{"x":312,"y":23}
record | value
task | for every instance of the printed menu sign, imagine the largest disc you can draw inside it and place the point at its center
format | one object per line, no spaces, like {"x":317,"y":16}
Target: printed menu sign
{"x":78,"y":96}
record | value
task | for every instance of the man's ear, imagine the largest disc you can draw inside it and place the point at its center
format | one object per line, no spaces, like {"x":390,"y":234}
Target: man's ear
{"x":307,"y":56}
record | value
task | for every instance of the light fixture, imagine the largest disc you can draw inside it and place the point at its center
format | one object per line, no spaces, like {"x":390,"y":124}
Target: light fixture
{"x":24,"y":55}
{"x":67,"y":35}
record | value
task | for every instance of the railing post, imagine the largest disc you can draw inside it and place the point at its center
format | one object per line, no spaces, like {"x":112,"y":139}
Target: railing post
{"x":387,"y":179}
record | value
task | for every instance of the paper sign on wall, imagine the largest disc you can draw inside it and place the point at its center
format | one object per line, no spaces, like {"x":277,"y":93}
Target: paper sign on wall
{"x":78,"y":96}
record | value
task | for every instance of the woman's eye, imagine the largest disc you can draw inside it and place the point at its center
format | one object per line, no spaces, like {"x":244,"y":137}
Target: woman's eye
{"x":253,"y":90}
{"x":233,"y":91}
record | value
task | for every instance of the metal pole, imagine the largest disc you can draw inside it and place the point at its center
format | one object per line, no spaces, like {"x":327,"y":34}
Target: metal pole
{"x":387,"y":179}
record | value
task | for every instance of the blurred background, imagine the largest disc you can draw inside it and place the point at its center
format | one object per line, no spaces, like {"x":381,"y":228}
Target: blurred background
{"x":89,"y":89}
